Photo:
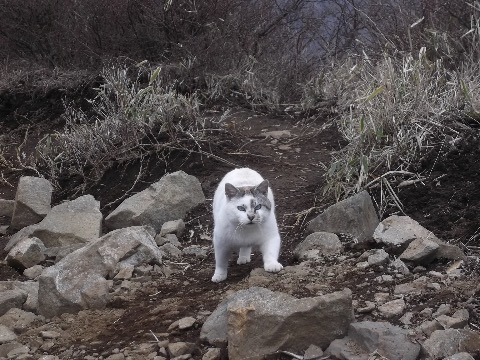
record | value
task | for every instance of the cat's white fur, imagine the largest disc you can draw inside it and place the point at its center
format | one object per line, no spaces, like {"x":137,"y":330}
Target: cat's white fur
{"x":236,"y":229}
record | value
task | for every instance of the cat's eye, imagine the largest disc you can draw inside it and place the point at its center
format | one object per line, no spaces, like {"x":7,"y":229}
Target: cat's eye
{"x":258,"y":207}
{"x":241,"y":208}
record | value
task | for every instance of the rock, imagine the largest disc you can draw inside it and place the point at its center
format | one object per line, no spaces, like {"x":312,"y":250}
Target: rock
{"x":180,"y":348}
{"x":452,"y":322}
{"x":417,"y":286}
{"x":443,"y":309}
{"x":400,"y":267}
{"x":50,"y":334}
{"x":18,"y":320}
{"x":316,"y":321}
{"x":168,"y":199}
{"x":197,"y":251}
{"x":422,"y":251}
{"x":318,"y":244}
{"x":428,"y":327}
{"x":170,"y":251}
{"x":125,"y":273}
{"x":24,"y":233}
{"x":30,"y":288}
{"x":18,"y":351}
{"x":6,"y":335}
{"x":379,"y":257}
{"x":6,"y":208}
{"x":72,"y":222}
{"x":32,"y":201}
{"x":460,"y":356}
{"x":313,"y":352}
{"x":27,"y":253}
{"x":186,"y":323}
{"x":62,"y":251}
{"x":277,"y":134}
{"x":443,"y":343}
{"x":212,"y":354}
{"x":355,"y":216}
{"x":33,"y":272}
{"x":168,"y":238}
{"x":397,"y":232}
{"x":10,"y":299}
{"x":79,"y":282}
{"x":392,"y":308}
{"x":176,"y":227}
{"x":7,"y":347}
{"x":389,"y":341}
{"x":261,"y":322}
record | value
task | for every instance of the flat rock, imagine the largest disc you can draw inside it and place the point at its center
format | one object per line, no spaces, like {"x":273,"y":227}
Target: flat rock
{"x":32,"y":201}
{"x":355,"y":216}
{"x":318,"y":244}
{"x":392,"y":308}
{"x":168,"y":199}
{"x":186,"y":322}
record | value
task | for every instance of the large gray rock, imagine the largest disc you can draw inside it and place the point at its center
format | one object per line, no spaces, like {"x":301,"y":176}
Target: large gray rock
{"x":391,"y":342}
{"x":257,"y":321}
{"x":32,"y":201}
{"x":355,"y":216}
{"x":443,"y":343}
{"x":71,"y":222}
{"x":318,"y":244}
{"x":27,"y":253}
{"x":79,"y":280}
{"x":168,"y":199}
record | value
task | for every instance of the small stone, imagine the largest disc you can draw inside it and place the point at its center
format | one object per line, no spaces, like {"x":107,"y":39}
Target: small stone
{"x":313,"y":352}
{"x":49,"y":334}
{"x":392,"y":308}
{"x":449,"y":322}
{"x":176,"y":227}
{"x":400,"y":266}
{"x":180,"y":348}
{"x":443,"y":309}
{"x":125,"y":273}
{"x":212,"y":354}
{"x":406,"y":319}
{"x":369,"y":307}
{"x":434,"y":286}
{"x":428,"y":327}
{"x":6,"y":335}
{"x":33,"y":272}
{"x":170,"y":250}
{"x":381,"y":298}
{"x":186,"y":323}
{"x":173,"y":325}
{"x":380,"y":257}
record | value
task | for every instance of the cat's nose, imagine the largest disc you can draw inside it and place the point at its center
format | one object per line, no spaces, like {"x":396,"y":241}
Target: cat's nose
{"x":251,"y":217}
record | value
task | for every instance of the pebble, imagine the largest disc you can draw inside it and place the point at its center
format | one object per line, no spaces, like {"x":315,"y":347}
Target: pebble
{"x":392,"y":308}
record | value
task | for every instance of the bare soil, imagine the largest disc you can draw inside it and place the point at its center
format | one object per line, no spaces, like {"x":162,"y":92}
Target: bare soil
{"x":447,"y":203}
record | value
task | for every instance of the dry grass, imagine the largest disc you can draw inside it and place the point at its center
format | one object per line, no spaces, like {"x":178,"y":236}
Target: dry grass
{"x":391,"y":111}
{"x":130,"y":119}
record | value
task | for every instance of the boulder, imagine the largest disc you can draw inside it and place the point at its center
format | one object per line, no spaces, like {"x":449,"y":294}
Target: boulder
{"x":72,"y":222}
{"x":389,"y":341}
{"x":32,"y":201}
{"x":421,"y":251}
{"x":27,"y":253}
{"x":10,"y":299}
{"x":168,"y":199}
{"x":80,"y":280}
{"x":443,"y":343}
{"x":355,"y":216}
{"x":257,"y":321}
{"x":318,"y":244}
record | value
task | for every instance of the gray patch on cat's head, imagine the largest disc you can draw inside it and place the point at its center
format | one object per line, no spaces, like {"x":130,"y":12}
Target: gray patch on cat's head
{"x":259,"y":192}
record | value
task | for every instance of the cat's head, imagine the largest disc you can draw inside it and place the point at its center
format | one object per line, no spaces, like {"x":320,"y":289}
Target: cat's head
{"x":248,"y":204}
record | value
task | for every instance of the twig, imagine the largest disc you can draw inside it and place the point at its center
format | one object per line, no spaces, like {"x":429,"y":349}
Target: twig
{"x":151,"y":332}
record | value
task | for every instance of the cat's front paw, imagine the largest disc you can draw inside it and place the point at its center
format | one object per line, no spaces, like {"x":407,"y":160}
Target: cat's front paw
{"x":217,"y":277}
{"x":273,"y":267}
{"x":243,"y":260}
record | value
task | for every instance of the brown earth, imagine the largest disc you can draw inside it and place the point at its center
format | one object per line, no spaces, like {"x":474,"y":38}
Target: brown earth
{"x":447,"y":203}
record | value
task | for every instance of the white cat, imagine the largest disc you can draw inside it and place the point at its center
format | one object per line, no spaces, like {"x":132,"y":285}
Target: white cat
{"x":244,"y":216}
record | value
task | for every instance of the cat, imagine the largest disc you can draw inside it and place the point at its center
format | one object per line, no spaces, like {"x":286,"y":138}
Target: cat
{"x":244,"y":216}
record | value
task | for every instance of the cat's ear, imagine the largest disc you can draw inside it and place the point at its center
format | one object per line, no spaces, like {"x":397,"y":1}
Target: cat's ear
{"x":230,"y":190}
{"x":262,"y":188}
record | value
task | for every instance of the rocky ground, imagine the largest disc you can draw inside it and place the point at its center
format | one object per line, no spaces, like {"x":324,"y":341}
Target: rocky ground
{"x":158,"y":312}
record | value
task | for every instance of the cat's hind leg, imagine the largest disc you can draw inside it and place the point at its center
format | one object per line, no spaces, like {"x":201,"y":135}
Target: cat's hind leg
{"x":244,"y":255}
